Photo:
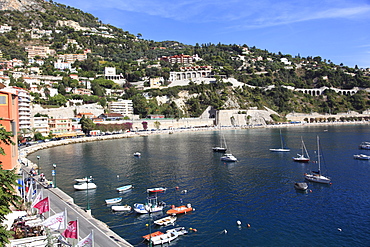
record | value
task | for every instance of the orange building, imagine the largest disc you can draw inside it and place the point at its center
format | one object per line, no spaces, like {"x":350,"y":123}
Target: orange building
{"x":9,"y":120}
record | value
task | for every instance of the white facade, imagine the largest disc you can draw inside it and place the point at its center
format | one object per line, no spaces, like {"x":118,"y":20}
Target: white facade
{"x":41,"y":124}
{"x":123,"y":107}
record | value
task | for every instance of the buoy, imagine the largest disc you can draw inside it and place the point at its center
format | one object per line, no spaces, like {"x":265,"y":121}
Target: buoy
{"x":117,"y":176}
{"x":311,"y":191}
{"x":177,"y":187}
{"x":146,"y":225}
{"x":238,"y":222}
{"x":173,"y":206}
{"x":248,"y":225}
{"x":339,"y":229}
{"x":195,"y":230}
{"x":225,"y":231}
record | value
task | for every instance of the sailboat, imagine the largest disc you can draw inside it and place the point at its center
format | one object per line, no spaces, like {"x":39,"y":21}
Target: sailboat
{"x":221,"y":148}
{"x":301,"y":157}
{"x":282,"y":149}
{"x":316,"y":176}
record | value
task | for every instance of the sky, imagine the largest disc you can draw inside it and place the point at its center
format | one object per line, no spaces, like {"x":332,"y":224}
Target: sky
{"x":335,"y":30}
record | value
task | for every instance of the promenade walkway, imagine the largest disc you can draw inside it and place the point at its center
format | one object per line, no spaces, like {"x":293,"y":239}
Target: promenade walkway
{"x":61,"y":202}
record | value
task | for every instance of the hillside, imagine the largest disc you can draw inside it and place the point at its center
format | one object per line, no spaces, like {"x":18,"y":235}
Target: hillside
{"x":67,"y":30}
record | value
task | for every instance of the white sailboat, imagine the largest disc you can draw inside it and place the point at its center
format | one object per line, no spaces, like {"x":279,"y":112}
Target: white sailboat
{"x":223,"y":147}
{"x":283,"y":148}
{"x":301,"y":157}
{"x":316,"y":176}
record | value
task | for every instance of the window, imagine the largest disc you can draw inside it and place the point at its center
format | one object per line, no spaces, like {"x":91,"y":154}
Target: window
{"x":3,"y":99}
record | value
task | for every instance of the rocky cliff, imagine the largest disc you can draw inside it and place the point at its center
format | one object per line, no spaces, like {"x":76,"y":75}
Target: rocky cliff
{"x":20,"y":5}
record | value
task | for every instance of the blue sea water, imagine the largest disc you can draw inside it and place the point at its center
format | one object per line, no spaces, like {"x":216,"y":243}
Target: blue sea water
{"x":258,"y":190}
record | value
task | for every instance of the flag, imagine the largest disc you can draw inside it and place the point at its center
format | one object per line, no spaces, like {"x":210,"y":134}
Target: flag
{"x":43,"y":205}
{"x":86,"y":242}
{"x":71,"y":230}
{"x":55,"y":222}
{"x":37,"y":199}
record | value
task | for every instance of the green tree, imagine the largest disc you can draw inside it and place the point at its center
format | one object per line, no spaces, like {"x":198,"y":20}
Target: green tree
{"x":8,"y":196}
{"x":87,"y":125}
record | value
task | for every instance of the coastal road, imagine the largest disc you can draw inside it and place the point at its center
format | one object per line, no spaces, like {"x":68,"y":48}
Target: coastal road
{"x":61,"y":202}
{"x":103,"y":236}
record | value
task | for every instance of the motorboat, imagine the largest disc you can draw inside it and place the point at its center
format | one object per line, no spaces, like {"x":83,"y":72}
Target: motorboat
{"x":365,"y":145}
{"x":113,"y":200}
{"x":165,"y":221}
{"x":301,"y":186}
{"x":84,"y":186}
{"x":301,"y":157}
{"x":161,"y":238}
{"x":316,"y":176}
{"x":137,"y":154}
{"x":180,"y":210}
{"x":124,"y":188}
{"x":85,"y":179}
{"x":120,"y":208}
{"x":361,"y":157}
{"x":156,"y":190}
{"x":228,"y":157}
{"x":151,"y":206}
{"x":283,"y":148}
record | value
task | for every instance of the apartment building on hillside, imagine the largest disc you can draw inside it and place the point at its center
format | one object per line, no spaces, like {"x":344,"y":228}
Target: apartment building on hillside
{"x":124,"y":107}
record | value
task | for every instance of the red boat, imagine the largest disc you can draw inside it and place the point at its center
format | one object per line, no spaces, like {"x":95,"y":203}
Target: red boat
{"x":154,"y":234}
{"x":180,"y":210}
{"x":156,"y":190}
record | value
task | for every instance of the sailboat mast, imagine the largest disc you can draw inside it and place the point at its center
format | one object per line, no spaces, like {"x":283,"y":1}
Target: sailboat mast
{"x":281,"y":140}
{"x":318,"y":154}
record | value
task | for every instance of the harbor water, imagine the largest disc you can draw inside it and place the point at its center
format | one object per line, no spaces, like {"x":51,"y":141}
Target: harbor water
{"x":257,"y":190}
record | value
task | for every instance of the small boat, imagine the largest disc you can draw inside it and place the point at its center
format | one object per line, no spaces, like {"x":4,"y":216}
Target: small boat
{"x":364,"y":145}
{"x":283,"y":148}
{"x":162,"y":238}
{"x":154,"y":234}
{"x":156,"y":190}
{"x":229,"y":158}
{"x":316,"y":176}
{"x":84,"y":186}
{"x":113,"y":200}
{"x":361,"y":157}
{"x":165,"y":221}
{"x":120,"y":208}
{"x":85,"y":179}
{"x":180,"y":210}
{"x":125,"y":187}
{"x":301,"y":186}
{"x":221,"y":148}
{"x":137,"y":154}
{"x":151,"y":206}
{"x":301,"y":157}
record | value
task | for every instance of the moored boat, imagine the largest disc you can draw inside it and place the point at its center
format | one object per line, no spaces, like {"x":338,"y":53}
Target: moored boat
{"x":165,"y":221}
{"x":316,"y":176}
{"x":119,"y":208}
{"x":229,"y":158}
{"x":301,"y":157}
{"x":361,"y":157}
{"x":113,"y":200}
{"x":283,"y":148}
{"x":156,"y":190}
{"x":161,"y":238}
{"x":180,"y":210}
{"x":84,"y":186}
{"x":137,"y":154}
{"x":301,"y":186}
{"x":125,"y":187}
{"x":151,"y":206}
{"x":365,"y":145}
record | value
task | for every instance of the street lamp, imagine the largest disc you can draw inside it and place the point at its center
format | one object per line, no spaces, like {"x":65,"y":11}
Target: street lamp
{"x":53,"y":173}
{"x":38,"y":165}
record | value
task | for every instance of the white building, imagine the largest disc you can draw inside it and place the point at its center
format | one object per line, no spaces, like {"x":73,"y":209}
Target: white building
{"x":41,"y":124}
{"x":123,"y":107}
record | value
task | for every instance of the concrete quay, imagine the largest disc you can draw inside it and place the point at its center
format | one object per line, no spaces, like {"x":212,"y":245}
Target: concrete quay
{"x":61,"y":202}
